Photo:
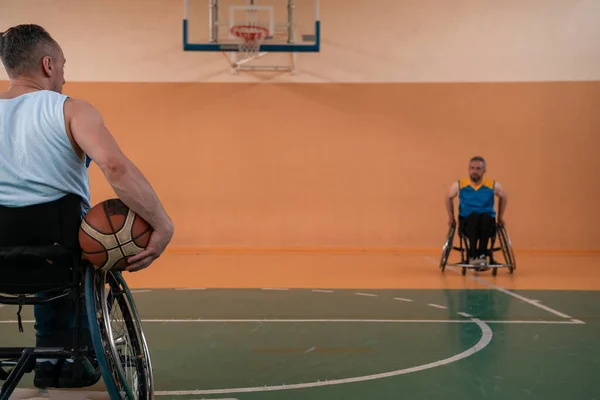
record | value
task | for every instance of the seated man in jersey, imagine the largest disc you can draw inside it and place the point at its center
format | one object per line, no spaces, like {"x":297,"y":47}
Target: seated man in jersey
{"x":476,"y":209}
{"x":47,"y":140}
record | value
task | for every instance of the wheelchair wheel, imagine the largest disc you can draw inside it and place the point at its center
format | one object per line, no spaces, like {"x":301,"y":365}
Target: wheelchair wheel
{"x":117,"y":335}
{"x":507,"y":250}
{"x":447,"y":249}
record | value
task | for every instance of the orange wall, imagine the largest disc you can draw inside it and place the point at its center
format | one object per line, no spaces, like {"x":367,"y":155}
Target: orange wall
{"x":357,"y":164}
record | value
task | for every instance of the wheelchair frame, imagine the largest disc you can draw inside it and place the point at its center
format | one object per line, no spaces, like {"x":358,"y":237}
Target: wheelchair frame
{"x":87,"y":288}
{"x":500,"y":232}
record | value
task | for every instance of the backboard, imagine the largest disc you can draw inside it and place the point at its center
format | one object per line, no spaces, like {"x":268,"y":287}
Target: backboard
{"x":285,"y":26}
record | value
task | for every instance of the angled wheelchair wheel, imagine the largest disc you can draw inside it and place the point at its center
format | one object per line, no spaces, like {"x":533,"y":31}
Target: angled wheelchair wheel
{"x":118,"y":337}
{"x":507,"y":250}
{"x":447,"y":248}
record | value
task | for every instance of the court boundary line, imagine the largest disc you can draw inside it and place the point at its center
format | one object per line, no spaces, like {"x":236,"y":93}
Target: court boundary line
{"x":572,"y":321}
{"x":519,"y":297}
{"x":507,"y":292}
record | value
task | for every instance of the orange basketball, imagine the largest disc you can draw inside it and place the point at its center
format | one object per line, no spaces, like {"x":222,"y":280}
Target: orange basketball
{"x":110,"y":233}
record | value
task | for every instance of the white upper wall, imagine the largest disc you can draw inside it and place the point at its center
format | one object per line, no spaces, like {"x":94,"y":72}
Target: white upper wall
{"x":362,"y":41}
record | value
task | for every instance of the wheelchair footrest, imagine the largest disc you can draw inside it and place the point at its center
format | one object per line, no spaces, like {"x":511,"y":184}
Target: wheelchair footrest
{"x":39,"y":352}
{"x":476,"y":266}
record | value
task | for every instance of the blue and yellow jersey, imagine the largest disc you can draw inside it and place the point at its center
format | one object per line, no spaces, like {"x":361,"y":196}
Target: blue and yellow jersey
{"x":476,"y":198}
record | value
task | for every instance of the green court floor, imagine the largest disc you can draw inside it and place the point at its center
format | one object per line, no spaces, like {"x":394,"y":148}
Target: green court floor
{"x":365,"y":344}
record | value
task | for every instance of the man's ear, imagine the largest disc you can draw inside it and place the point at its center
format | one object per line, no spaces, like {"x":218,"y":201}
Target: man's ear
{"x":47,"y":66}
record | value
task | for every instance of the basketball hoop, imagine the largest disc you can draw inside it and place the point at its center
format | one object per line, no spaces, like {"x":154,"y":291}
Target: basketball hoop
{"x":252,"y":36}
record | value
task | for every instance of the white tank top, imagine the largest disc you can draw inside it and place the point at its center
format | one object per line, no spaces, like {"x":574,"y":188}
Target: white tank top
{"x":37,"y":162}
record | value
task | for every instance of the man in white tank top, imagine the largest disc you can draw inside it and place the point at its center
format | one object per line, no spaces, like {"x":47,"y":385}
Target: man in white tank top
{"x":46,"y":136}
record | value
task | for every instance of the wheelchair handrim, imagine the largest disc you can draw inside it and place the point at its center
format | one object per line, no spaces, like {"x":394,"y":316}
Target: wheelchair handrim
{"x":95,"y":328}
{"x":140,"y":332}
{"x":111,"y":342}
{"x":447,"y":248}
{"x":106,"y":352}
{"x":507,"y":248}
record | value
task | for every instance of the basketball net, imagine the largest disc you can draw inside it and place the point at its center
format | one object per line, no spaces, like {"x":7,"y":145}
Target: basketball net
{"x":252,"y":35}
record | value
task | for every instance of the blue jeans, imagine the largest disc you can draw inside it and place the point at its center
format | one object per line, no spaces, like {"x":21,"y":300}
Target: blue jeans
{"x":479,"y":228}
{"x":55,"y":322}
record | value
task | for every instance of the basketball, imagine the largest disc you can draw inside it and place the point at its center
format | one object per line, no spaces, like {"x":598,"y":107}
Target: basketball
{"x":110,"y":233}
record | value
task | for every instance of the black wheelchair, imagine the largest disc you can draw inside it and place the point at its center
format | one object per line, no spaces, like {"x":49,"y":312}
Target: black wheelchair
{"x":118,"y":351}
{"x":499,"y":233}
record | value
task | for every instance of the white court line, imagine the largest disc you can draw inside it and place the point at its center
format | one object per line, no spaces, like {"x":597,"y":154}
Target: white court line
{"x":402,"y":299}
{"x":519,"y":297}
{"x":342,"y":320}
{"x":362,"y":321}
{"x":141,"y":291}
{"x":306,"y":320}
{"x":366,"y":294}
{"x":540,"y":322}
{"x":436,"y":306}
{"x":274,"y":288}
{"x":322,"y":291}
{"x":508,"y":292}
{"x":486,"y":338}
{"x":464,"y":314}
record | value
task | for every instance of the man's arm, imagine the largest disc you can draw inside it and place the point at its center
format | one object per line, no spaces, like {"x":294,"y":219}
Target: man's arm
{"x":502,"y":200}
{"x":87,"y":128}
{"x":450,"y":202}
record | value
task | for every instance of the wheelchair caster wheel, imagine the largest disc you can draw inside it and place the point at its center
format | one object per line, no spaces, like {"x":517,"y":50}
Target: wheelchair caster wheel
{"x":464,"y":271}
{"x":494,"y":271}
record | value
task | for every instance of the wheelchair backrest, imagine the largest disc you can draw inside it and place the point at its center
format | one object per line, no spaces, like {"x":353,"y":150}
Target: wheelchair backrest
{"x":39,"y":245}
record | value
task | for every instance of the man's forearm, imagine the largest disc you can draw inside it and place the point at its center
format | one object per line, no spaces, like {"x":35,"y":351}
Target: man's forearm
{"x":501,"y":207}
{"x":450,"y":208}
{"x":135,"y":191}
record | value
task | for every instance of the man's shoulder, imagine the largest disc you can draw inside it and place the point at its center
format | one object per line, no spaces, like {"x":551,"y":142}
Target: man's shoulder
{"x":489,"y":183}
{"x":463,"y":183}
{"x":78,"y":106}
{"x":75,"y":102}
